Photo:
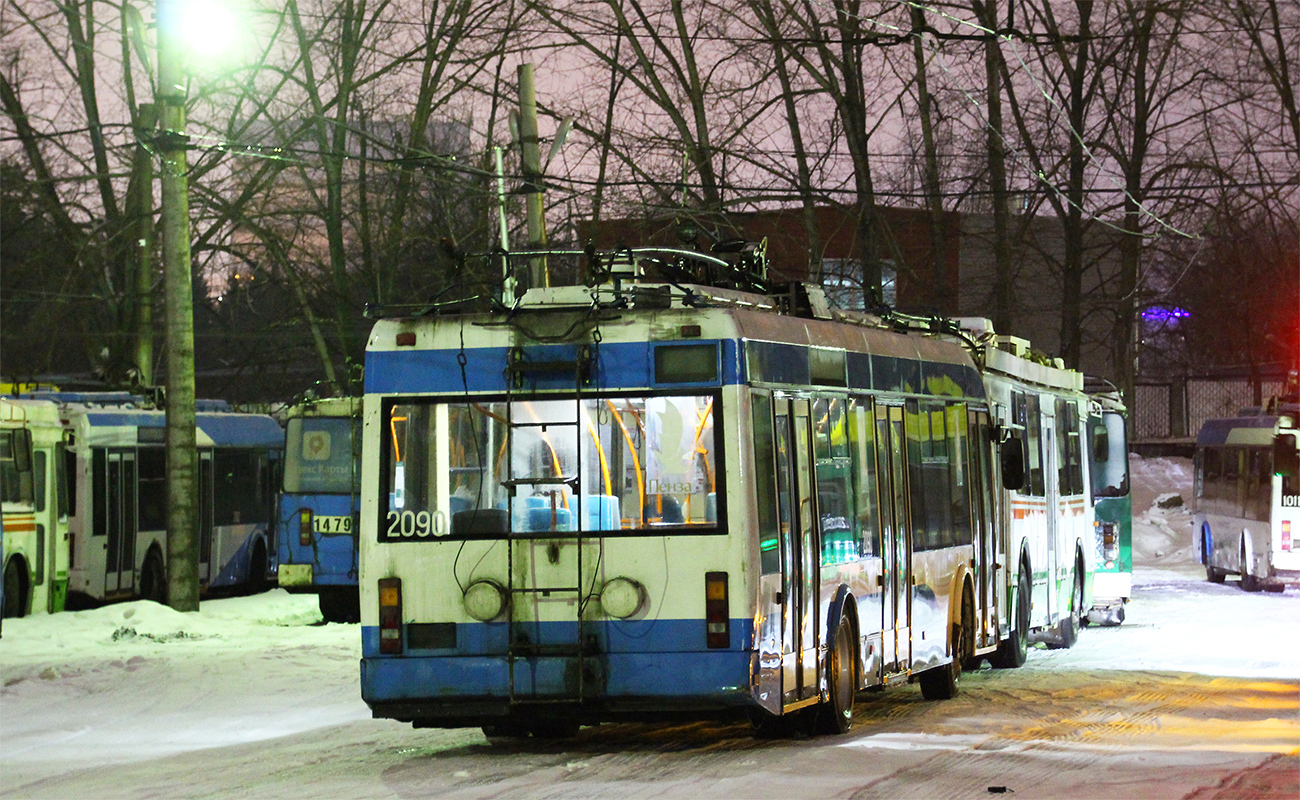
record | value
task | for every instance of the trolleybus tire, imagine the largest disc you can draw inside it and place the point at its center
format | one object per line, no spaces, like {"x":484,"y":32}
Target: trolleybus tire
{"x":554,"y":729}
{"x":15,"y":604}
{"x":257,"y":566}
{"x":1014,"y":650}
{"x":510,"y":729}
{"x":941,"y":683}
{"x":153,"y":580}
{"x":339,"y":604}
{"x":1275,"y":588}
{"x":1249,"y":582}
{"x":836,"y":714}
{"x":1068,"y":635}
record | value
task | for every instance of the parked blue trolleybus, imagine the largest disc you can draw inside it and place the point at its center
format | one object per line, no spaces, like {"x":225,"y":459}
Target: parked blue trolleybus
{"x":318,"y":519}
{"x":690,"y":496}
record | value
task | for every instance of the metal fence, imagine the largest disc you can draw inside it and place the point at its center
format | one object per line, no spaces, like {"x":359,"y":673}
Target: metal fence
{"x":1175,"y":409}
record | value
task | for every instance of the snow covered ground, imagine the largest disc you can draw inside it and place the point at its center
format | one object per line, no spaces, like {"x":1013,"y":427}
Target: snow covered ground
{"x":252,"y":697}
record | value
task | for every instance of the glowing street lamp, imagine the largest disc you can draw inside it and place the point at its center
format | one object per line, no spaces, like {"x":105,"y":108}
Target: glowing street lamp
{"x":184,"y":26}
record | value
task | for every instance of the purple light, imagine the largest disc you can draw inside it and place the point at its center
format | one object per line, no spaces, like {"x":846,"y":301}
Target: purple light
{"x":1164,"y":314}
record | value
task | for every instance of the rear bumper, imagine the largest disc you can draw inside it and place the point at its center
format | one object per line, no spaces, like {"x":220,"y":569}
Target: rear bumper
{"x":458,"y":690}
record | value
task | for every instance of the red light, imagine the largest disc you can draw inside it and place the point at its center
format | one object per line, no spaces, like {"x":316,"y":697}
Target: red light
{"x":1286,"y":534}
{"x":717,"y":619}
{"x":390,"y":616}
{"x":406,"y":339}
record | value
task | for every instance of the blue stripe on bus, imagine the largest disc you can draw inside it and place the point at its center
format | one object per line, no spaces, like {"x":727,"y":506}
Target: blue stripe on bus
{"x":239,"y":431}
{"x":1216,"y":431}
{"x":226,"y":430}
{"x":675,"y":673}
{"x":618,"y":365}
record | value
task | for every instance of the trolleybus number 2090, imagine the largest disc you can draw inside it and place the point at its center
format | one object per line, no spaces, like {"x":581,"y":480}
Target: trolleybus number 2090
{"x":408,"y":523}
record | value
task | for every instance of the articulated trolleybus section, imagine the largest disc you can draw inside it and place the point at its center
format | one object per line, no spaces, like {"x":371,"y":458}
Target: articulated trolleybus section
{"x":646,"y":499}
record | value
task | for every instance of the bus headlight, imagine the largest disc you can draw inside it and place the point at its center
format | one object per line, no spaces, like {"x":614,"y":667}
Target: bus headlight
{"x":485,"y":600}
{"x":622,"y":597}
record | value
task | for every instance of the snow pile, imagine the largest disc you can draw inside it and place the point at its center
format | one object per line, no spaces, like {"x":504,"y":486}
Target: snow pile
{"x":1162,"y":515}
{"x":139,"y":679}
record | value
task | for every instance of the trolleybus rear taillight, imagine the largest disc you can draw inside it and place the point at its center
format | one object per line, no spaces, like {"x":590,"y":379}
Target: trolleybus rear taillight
{"x":1286,"y":534}
{"x":304,"y":527}
{"x":716,"y":617}
{"x":390,"y":616}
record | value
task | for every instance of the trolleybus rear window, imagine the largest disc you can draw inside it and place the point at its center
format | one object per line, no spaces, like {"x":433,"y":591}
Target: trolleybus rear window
{"x":544,"y":467}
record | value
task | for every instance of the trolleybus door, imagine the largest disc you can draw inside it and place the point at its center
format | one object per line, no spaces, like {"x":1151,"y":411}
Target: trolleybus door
{"x":980,"y":476}
{"x":898,"y":552}
{"x":800,"y":568}
{"x":1052,"y":499}
{"x":204,"y":508}
{"x":119,"y":498}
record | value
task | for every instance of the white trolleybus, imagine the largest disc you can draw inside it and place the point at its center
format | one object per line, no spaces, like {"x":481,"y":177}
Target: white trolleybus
{"x":1247,"y":497}
{"x":35,"y":501}
{"x":641,"y":499}
{"x":114,"y":460}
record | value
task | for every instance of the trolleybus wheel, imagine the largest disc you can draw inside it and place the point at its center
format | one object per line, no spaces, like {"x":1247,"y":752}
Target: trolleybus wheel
{"x":257,"y":567}
{"x":1014,"y":650}
{"x":836,"y":715}
{"x":509,"y":729}
{"x":153,"y":581}
{"x":1248,"y":582}
{"x":554,"y":729}
{"x":1069,"y":630}
{"x":941,"y":683}
{"x":15,"y":589}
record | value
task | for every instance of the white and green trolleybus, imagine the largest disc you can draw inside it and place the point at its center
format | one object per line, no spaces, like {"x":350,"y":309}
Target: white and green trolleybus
{"x":1246,"y":498}
{"x":696,"y":496}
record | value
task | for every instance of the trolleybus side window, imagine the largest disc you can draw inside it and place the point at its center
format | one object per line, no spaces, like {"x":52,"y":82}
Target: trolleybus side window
{"x":152,"y":469}
{"x":959,"y":473}
{"x":16,"y":483}
{"x":239,"y":494}
{"x":1069,"y":452}
{"x":99,"y":487}
{"x":835,"y":495}
{"x":1025,"y":415}
{"x":765,"y":483}
{"x":862,"y":449}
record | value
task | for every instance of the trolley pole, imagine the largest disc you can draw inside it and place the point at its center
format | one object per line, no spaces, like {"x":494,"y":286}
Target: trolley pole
{"x":533,"y":178}
{"x":181,"y":448}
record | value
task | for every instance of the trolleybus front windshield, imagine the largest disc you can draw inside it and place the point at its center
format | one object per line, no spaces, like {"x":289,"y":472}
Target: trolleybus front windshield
{"x":319,"y":456}
{"x":542,"y":467}
{"x":1109,"y":457}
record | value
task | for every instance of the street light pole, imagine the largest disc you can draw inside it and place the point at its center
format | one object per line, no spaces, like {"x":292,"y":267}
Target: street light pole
{"x":182,"y":527}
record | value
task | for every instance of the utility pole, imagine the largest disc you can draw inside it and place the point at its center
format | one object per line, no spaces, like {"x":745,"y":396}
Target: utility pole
{"x":182,"y":527}
{"x":533,"y":179}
